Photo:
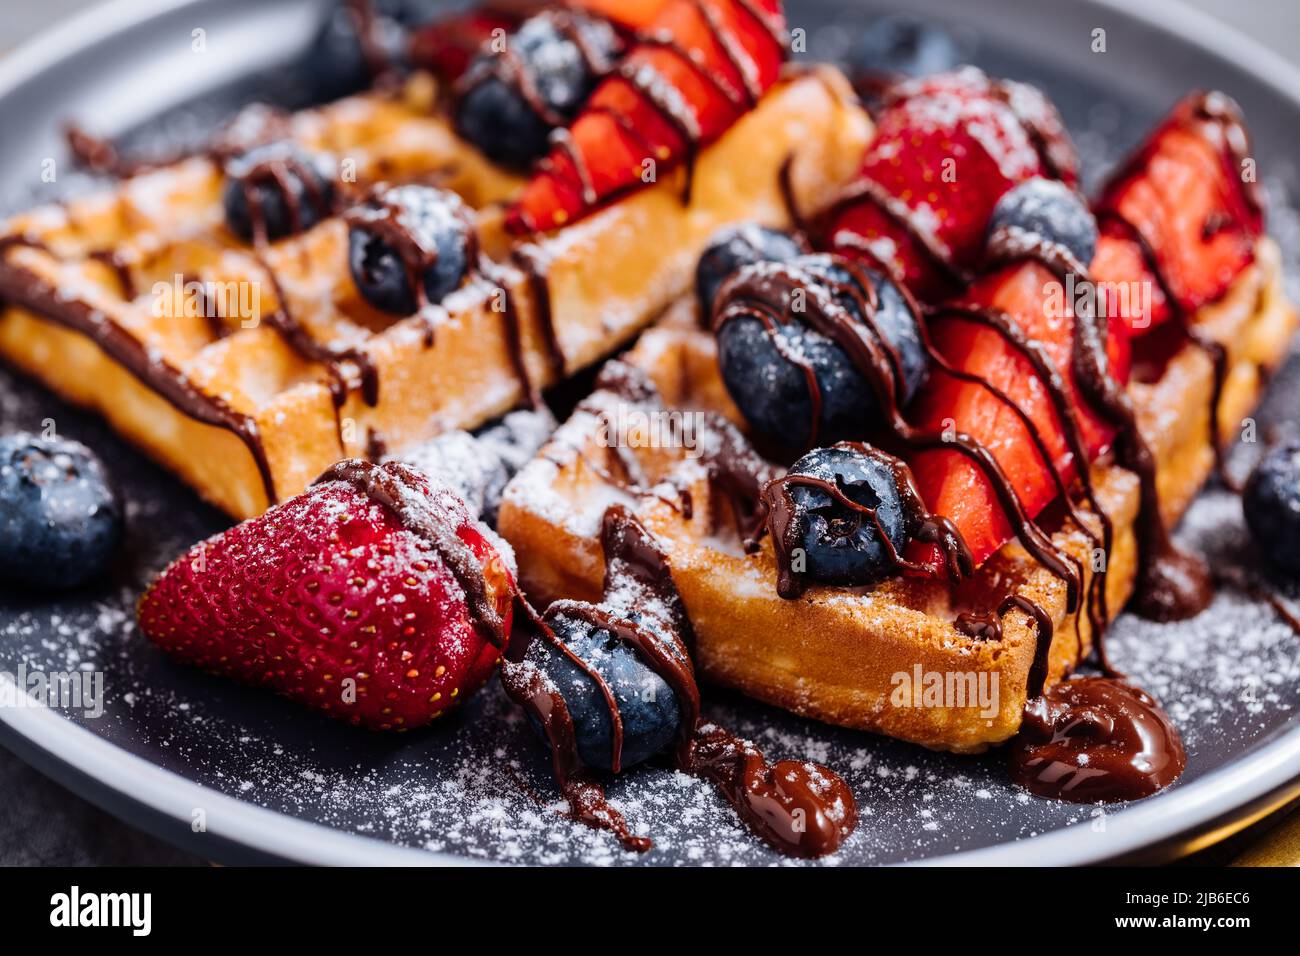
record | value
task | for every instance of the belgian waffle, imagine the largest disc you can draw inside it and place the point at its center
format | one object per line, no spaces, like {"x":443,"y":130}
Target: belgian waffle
{"x":248,"y":409}
{"x":833,"y":654}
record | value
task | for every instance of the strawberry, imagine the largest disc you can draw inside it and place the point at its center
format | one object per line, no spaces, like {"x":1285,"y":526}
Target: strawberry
{"x":347,"y":598}
{"x":698,"y":67}
{"x":626,"y":14}
{"x":950,"y":483}
{"x":947,"y":148}
{"x":1183,"y":192}
{"x":447,"y":45}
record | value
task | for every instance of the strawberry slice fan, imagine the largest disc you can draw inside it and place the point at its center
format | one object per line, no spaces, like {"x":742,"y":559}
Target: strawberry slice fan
{"x":1011,"y":355}
{"x":692,"y":71}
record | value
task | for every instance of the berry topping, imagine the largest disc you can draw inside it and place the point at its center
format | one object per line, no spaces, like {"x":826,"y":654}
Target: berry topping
{"x":511,"y":98}
{"x":848,"y":514}
{"x":408,"y":246}
{"x":1183,"y":215}
{"x":644,"y":701}
{"x":946,"y":150}
{"x":695,"y":69}
{"x":357,"y":42}
{"x":277,"y":190}
{"x":373,"y":596}
{"x":781,"y":330}
{"x":894,"y":47}
{"x":738,"y":246}
{"x":1272,"y":506}
{"x":1046,"y":217}
{"x":60,"y":523}
{"x":448,"y":45}
{"x":989,"y":382}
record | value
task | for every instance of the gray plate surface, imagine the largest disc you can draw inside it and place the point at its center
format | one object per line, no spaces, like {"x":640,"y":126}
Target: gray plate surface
{"x":270,"y":781}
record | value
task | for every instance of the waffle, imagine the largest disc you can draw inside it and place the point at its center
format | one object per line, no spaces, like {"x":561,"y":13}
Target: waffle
{"x":833,"y":653}
{"x":248,"y":414}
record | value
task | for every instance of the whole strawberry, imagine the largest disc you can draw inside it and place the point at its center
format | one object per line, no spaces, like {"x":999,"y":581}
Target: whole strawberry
{"x":947,"y":148}
{"x":372,"y":596}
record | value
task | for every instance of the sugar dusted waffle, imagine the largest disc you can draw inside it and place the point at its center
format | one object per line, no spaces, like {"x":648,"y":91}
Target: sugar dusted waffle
{"x":833,"y":654}
{"x":1036,"y":607}
{"x":250,"y":408}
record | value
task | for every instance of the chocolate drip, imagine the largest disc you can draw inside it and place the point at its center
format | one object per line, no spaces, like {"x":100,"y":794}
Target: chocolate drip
{"x":1172,"y":585}
{"x":1096,"y":739}
{"x":513,"y":71}
{"x":401,"y":489}
{"x":778,"y":510}
{"x":528,"y":260}
{"x":23,"y":287}
{"x":115,"y":261}
{"x":763,"y":294}
{"x":987,"y":626}
{"x":798,"y":808}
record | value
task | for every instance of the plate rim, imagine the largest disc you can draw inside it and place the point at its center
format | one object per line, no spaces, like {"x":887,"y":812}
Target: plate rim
{"x":99,"y":770}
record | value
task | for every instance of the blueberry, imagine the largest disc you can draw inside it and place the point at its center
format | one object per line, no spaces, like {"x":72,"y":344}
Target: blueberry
{"x":260,"y":170}
{"x":646,"y":704}
{"x":1043,"y":209}
{"x":544,"y":56}
{"x":734,"y":247}
{"x":337,"y":61}
{"x":772,"y":391}
{"x":434,"y":219}
{"x":1272,"y":505}
{"x":844,"y":547}
{"x":60,"y":523}
{"x":900,"y":46}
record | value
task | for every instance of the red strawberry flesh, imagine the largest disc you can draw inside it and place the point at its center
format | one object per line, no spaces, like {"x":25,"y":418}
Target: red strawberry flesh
{"x":947,"y":148}
{"x":695,"y":70}
{"x":331,"y":600}
{"x":949,"y":482}
{"x":1181,"y":199}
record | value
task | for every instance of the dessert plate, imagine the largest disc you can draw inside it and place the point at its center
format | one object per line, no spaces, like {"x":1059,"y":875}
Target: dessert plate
{"x":238,"y":775}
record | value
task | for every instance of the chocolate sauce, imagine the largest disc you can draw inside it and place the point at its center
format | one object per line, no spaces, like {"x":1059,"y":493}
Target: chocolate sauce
{"x":515,"y":72}
{"x":798,"y":808}
{"x":22,"y":287}
{"x":765,"y":293}
{"x":987,"y":626}
{"x":1096,"y":740}
{"x":781,"y":515}
{"x":401,"y":489}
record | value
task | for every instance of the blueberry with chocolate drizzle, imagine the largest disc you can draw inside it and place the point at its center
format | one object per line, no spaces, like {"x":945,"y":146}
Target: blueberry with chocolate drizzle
{"x":794,"y":382}
{"x":798,"y":807}
{"x":276,"y":190}
{"x":1046,"y":219}
{"x":409,"y":246}
{"x":735,"y":247}
{"x":848,"y":514}
{"x":510,"y":99}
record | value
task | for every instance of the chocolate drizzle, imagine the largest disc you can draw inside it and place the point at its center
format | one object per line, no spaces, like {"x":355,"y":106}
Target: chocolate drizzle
{"x":403,"y":491}
{"x":987,"y":626}
{"x":765,"y":294}
{"x":778,"y":510}
{"x":23,"y":287}
{"x":1096,"y":739}
{"x":798,"y":808}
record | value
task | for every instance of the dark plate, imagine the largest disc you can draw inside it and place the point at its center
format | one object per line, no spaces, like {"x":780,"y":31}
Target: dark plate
{"x":240,"y":775}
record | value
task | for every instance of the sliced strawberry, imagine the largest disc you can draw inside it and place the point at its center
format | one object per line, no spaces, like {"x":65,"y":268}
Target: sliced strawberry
{"x":627,"y":14}
{"x":946,"y":150}
{"x":446,"y":46}
{"x":696,"y":70}
{"x":1183,"y":193}
{"x":334,"y":601}
{"x":949,"y":482}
